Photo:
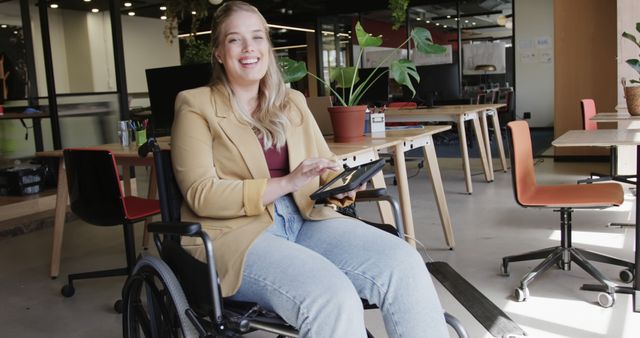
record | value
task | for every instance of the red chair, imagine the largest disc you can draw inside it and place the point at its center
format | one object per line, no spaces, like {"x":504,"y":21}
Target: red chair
{"x":97,"y":198}
{"x":588,"y":107}
{"x":564,"y":199}
{"x":402,"y":104}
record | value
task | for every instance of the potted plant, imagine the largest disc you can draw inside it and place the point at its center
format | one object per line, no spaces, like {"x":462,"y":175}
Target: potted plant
{"x":348,"y":117}
{"x":632,"y":93}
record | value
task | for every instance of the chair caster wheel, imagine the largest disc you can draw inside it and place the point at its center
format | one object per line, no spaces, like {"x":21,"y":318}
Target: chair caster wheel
{"x":627,"y":275}
{"x":117,"y":306}
{"x":68,"y":290}
{"x":606,"y":300}
{"x":521,"y":294}
{"x":504,"y":270}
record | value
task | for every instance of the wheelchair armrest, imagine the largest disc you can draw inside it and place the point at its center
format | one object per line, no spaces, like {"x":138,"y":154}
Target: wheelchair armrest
{"x":175,"y":228}
{"x":371,"y":194}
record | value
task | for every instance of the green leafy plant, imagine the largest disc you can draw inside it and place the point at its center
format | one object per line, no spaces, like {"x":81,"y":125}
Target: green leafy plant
{"x":179,"y":10}
{"x":634,"y":63}
{"x":398,"y":10}
{"x":402,"y":70}
{"x":196,"y":51}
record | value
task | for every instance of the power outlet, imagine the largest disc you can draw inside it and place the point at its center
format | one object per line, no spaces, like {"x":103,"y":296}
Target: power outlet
{"x":526,"y":115}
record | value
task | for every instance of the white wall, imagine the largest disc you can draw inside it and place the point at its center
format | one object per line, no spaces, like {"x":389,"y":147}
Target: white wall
{"x":87,"y":38}
{"x":533,"y":20}
{"x":82,"y":53}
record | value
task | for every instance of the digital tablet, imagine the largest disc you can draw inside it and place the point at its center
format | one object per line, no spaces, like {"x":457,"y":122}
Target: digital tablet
{"x":348,"y":180}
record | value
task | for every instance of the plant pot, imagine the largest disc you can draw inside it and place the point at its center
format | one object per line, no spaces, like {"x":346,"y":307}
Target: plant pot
{"x":632,"y":95}
{"x":347,"y":122}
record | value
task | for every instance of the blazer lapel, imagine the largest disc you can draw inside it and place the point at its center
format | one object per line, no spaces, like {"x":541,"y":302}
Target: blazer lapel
{"x":241,"y":135}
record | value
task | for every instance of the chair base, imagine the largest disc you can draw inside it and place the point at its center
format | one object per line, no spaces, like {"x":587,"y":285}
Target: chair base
{"x":597,"y":177}
{"x":562,"y":257}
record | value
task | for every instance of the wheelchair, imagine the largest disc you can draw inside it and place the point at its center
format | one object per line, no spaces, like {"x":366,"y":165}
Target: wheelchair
{"x":177,"y":295}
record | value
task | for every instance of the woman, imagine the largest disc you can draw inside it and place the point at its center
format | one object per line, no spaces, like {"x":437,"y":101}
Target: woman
{"x":247,"y":154}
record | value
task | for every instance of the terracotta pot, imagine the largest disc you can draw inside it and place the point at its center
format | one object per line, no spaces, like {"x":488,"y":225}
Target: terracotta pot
{"x":347,"y":122}
{"x":632,"y":95}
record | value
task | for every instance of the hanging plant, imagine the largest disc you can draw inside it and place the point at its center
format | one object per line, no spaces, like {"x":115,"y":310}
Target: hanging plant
{"x":179,"y":10}
{"x":398,"y":10}
{"x":196,"y":51}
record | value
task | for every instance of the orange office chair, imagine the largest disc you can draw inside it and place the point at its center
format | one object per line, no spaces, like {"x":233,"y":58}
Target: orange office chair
{"x":588,"y":111}
{"x":564,"y":199}
{"x":97,"y":198}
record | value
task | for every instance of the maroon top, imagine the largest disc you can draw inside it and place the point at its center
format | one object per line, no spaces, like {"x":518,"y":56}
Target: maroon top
{"x":277,"y":161}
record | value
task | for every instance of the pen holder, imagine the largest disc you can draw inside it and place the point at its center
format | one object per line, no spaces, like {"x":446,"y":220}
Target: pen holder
{"x":141,"y":137}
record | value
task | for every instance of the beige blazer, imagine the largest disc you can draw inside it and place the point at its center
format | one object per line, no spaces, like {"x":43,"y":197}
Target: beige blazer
{"x":220,"y":167}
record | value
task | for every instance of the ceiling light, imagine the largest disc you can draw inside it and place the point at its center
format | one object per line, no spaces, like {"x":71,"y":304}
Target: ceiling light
{"x":194,"y":12}
{"x":87,"y":0}
{"x":3,"y":26}
{"x":418,"y":19}
{"x":437,"y":24}
{"x":126,"y":4}
{"x":163,"y":8}
{"x":215,"y":2}
{"x":473,"y":23}
{"x":53,"y":6}
{"x":448,"y":16}
{"x":164,"y":17}
{"x":132,"y":13}
{"x":428,"y":21}
{"x":95,"y":10}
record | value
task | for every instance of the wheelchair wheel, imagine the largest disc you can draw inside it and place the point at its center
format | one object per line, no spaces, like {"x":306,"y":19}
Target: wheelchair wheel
{"x":153,"y":303}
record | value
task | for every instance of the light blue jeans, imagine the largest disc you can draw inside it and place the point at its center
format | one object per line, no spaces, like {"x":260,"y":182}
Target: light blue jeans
{"x":313,"y":274}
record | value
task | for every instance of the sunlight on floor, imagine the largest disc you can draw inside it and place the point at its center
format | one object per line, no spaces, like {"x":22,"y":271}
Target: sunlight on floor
{"x":605,"y":239}
{"x":559,"y":312}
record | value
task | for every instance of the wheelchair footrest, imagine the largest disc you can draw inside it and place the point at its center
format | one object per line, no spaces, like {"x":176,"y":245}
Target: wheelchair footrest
{"x":497,"y":323}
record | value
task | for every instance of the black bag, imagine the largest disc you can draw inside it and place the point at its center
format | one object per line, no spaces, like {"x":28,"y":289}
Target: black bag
{"x":22,"y":179}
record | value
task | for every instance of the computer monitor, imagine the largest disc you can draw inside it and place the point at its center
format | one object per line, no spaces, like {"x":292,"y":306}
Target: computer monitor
{"x":164,"y":84}
{"x":437,"y":82}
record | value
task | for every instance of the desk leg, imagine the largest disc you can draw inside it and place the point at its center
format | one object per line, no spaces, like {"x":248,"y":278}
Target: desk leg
{"x":151,"y":194}
{"x":403,"y":192}
{"x":487,"y":144}
{"x":438,"y":191}
{"x":636,"y":283}
{"x":483,"y":154}
{"x":62,"y":195}
{"x":126,"y":179}
{"x":462,"y":135}
{"x":496,"y":128}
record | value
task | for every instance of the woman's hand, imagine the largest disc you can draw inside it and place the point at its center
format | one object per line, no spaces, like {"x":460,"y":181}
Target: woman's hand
{"x":297,"y":178}
{"x":351,"y":193}
{"x":309,"y":169}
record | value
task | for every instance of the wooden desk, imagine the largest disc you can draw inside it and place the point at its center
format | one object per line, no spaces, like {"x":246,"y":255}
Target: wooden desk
{"x":460,"y":114}
{"x":608,"y":138}
{"x":401,"y":141}
{"x":125,"y":156}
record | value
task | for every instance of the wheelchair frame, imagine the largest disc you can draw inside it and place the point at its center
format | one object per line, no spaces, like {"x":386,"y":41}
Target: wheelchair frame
{"x":154,"y":300}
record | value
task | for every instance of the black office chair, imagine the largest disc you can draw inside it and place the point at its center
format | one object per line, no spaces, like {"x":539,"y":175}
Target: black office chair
{"x":97,"y":198}
{"x":169,"y":295}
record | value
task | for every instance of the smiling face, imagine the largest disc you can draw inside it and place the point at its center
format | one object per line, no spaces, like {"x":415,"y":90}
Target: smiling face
{"x":244,"y":49}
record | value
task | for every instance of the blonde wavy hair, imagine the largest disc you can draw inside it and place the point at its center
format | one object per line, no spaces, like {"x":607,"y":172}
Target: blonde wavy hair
{"x":269,"y":119}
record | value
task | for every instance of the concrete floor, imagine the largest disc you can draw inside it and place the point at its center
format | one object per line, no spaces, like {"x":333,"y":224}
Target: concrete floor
{"x":487,"y":225}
